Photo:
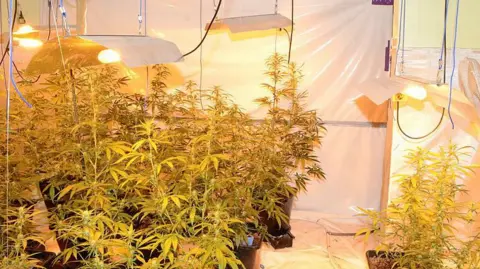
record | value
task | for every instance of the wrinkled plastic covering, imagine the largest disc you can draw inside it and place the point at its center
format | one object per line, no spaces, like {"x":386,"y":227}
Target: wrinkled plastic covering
{"x":418,"y":119}
{"x":422,"y":63}
{"x":469,"y":73}
{"x":339,"y":43}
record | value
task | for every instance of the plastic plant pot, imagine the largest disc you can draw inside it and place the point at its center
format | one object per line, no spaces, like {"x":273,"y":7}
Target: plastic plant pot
{"x":247,"y":254}
{"x":382,"y":259}
{"x":280,"y":236}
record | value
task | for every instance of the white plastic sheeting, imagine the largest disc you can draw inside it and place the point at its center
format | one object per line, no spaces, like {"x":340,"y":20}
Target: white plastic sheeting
{"x":313,"y":248}
{"x":340,"y":44}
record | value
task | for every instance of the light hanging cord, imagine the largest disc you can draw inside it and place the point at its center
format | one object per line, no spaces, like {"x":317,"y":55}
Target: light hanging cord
{"x":206,"y":33}
{"x":140,"y":18}
{"x":64,"y":16}
{"x":454,"y":52}
{"x":401,"y":35}
{"x":443,"y":52}
{"x":10,"y":50}
{"x":291,"y":32}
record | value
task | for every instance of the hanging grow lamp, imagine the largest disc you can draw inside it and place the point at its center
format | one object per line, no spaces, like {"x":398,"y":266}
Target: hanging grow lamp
{"x":245,"y":24}
{"x":242,"y":26}
{"x":86,"y":51}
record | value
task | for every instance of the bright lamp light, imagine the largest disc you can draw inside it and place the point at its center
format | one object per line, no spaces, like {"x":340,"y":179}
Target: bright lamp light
{"x":416,"y":92}
{"x":29,"y":42}
{"x":108,"y":56}
{"x":25,"y":29}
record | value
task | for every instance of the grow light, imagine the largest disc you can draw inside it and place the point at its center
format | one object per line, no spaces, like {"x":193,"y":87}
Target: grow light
{"x":139,"y":50}
{"x":255,"y":23}
{"x":109,"y":56}
{"x":23,"y":32}
{"x":85,"y":51}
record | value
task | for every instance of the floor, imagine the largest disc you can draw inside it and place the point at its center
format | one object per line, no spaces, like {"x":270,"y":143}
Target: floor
{"x":310,"y":245}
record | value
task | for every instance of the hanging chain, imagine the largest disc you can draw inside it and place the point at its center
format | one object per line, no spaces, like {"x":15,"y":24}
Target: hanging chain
{"x":276,"y":7}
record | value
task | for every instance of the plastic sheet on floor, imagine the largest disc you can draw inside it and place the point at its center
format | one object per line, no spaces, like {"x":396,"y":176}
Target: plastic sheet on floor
{"x":313,"y":233}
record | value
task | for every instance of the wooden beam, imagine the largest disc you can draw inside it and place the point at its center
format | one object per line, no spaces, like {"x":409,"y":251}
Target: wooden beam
{"x":387,"y":159}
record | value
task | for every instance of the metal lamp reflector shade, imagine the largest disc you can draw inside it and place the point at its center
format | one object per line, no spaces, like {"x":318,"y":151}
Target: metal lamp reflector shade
{"x":83,"y":51}
{"x":253,"y":23}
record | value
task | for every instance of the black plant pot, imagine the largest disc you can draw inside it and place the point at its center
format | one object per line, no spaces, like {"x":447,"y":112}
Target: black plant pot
{"x":382,"y":259}
{"x":248,"y":254}
{"x":284,"y":240}
{"x":47,"y":260}
{"x":280,"y":235}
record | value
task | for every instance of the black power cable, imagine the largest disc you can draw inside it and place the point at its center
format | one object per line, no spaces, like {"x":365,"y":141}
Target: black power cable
{"x":49,"y":19}
{"x":21,"y":76}
{"x":418,"y":137}
{"x":206,"y":33}
{"x":11,"y":30}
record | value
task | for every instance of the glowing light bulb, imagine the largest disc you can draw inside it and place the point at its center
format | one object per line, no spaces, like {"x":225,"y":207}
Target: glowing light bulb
{"x":416,"y":92}
{"x":29,"y":43}
{"x":108,"y":56}
{"x":25,"y":29}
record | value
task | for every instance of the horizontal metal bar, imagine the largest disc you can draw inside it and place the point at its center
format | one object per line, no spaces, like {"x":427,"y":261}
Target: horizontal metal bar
{"x":357,"y":124}
{"x":365,"y":124}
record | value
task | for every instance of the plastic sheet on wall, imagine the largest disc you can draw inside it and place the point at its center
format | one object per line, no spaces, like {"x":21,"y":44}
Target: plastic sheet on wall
{"x":339,"y":43}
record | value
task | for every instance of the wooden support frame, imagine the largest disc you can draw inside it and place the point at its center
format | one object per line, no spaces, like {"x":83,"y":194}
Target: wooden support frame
{"x":387,"y":159}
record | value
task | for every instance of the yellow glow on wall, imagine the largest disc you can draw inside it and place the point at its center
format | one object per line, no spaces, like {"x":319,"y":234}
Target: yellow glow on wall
{"x":109,"y":56}
{"x":416,"y":92}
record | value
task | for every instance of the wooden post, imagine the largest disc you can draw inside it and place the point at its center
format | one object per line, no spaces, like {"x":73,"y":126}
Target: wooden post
{"x":387,"y":159}
{"x":384,"y":198}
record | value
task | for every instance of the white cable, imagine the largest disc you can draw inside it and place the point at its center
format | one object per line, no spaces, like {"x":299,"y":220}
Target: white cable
{"x":140,"y":18}
{"x":7,"y":142}
{"x":64,"y":17}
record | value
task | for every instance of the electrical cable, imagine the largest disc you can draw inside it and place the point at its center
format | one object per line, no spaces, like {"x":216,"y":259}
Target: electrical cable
{"x":11,"y":29}
{"x":454,"y":59}
{"x":404,"y":2}
{"x":49,"y":19}
{"x":418,"y":137}
{"x":443,"y":53}
{"x":206,"y":33}
{"x":445,"y":41}
{"x":401,"y":34}
{"x":64,"y":17}
{"x":140,"y":18}
{"x":23,"y":78}
{"x":291,"y":32}
{"x":12,"y":79}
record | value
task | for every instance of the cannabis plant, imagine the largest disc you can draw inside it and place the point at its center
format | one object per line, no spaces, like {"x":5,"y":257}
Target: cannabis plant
{"x":18,"y":233}
{"x":420,"y":223}
{"x":287,"y":139}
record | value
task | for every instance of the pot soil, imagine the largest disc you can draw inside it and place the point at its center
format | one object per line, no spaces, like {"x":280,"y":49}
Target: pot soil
{"x":382,"y":259}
